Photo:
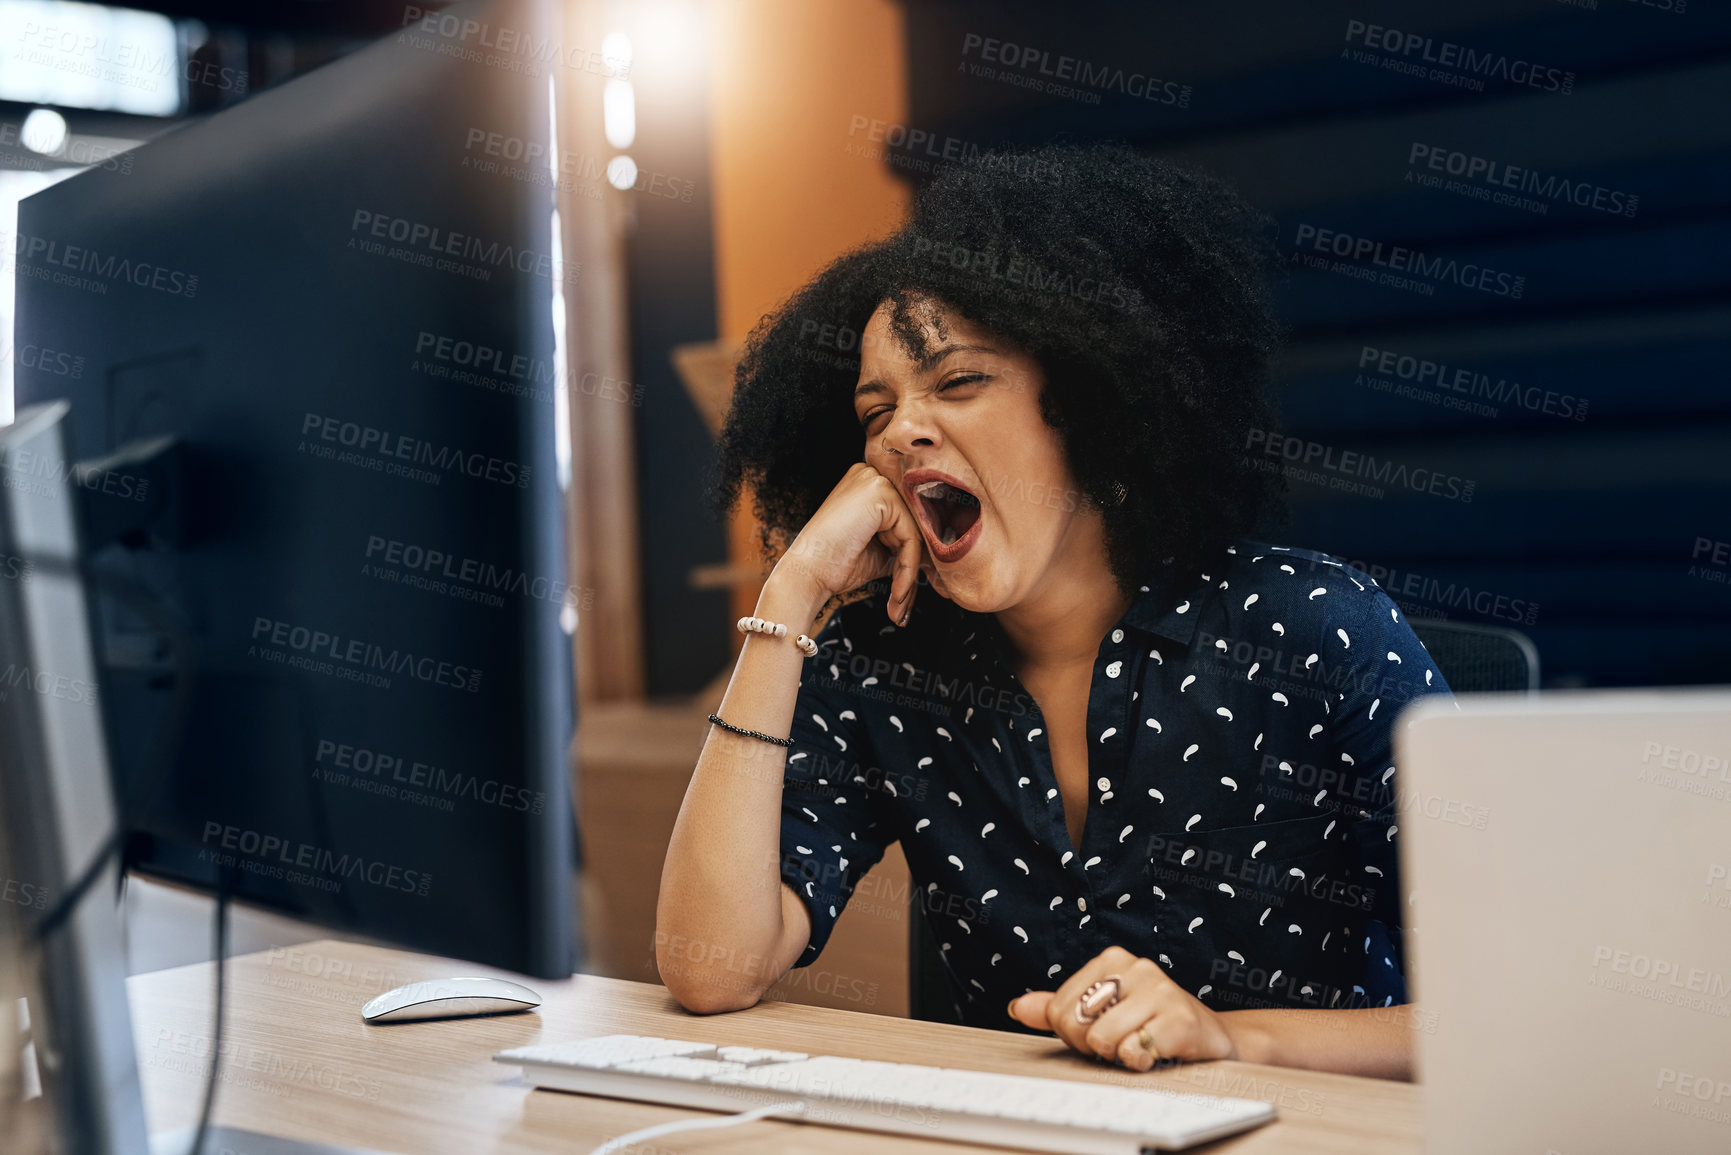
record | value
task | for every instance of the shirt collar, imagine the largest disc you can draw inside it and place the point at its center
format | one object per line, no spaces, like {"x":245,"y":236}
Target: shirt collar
{"x":1167,"y":607}
{"x":1158,"y":608}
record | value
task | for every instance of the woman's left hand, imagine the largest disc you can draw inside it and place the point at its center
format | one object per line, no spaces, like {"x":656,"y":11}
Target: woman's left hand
{"x":1177,"y":1023}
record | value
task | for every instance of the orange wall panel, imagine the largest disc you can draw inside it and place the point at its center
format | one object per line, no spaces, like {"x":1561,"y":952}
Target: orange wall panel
{"x":790,"y":78}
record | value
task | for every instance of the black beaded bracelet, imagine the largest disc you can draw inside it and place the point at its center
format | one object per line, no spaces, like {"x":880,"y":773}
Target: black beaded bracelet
{"x":716,"y":718}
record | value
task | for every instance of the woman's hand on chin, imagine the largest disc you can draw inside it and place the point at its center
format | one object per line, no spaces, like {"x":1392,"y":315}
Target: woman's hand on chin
{"x":1151,"y":1008}
{"x":863,"y":531}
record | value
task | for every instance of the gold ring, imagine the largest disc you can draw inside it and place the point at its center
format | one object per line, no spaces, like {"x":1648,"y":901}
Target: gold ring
{"x":1147,"y":1042}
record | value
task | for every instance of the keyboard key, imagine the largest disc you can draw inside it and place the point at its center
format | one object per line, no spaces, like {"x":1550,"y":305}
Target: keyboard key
{"x":752,"y":1057}
{"x":695,"y":1070}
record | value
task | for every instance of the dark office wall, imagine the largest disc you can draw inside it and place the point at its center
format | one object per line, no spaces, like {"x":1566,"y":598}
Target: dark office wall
{"x":671,"y":273}
{"x":1574,"y":416}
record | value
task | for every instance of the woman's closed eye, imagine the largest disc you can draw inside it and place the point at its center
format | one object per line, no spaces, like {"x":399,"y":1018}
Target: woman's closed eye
{"x":961,"y":379}
{"x":947,"y":385}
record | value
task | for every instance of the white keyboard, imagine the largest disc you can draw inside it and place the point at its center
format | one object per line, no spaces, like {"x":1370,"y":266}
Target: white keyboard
{"x":932,"y":1102}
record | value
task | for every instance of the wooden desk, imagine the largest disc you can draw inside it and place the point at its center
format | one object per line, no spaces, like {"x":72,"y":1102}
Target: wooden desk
{"x":300,"y":1062}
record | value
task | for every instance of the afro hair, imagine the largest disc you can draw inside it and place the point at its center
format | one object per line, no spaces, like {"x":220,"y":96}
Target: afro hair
{"x":1139,"y":287}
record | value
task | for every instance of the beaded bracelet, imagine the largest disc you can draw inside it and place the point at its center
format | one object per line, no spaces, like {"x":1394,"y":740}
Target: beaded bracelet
{"x":716,"y":718}
{"x":750,"y":625}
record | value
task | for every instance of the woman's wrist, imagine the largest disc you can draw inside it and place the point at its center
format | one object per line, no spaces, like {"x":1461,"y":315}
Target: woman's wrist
{"x":1251,"y":1041}
{"x":791,"y":598}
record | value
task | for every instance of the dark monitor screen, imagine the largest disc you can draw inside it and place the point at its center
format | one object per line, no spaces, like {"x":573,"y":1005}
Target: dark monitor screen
{"x":346,"y":324}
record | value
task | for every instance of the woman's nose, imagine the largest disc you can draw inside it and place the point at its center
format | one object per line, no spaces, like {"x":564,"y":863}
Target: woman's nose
{"x":910,"y":429}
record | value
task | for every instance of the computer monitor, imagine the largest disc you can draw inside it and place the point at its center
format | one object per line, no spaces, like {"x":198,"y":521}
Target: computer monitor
{"x":56,"y":808}
{"x":322,"y":325}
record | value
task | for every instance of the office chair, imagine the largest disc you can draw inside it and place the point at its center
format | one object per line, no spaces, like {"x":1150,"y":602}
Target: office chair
{"x":1479,"y":659}
{"x":1473,"y":659}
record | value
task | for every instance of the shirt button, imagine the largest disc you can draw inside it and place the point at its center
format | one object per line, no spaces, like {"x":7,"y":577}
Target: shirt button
{"x":1081,"y":904}
{"x":1117,"y":635}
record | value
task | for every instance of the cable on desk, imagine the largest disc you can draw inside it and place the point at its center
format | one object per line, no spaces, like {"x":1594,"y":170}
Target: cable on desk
{"x":221,"y":948}
{"x":797,"y":1107}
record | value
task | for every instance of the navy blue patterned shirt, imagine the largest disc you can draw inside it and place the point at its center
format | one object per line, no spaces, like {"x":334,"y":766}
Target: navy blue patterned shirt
{"x":1241,"y":809}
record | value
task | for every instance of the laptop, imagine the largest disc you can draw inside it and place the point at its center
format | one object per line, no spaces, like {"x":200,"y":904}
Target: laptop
{"x":1567,"y":865}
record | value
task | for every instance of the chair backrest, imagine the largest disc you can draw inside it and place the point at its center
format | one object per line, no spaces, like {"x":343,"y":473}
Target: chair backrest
{"x":1478,"y":659}
{"x":1473,"y":659}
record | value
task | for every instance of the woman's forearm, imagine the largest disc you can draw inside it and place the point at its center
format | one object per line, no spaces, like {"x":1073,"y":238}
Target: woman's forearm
{"x":1373,"y":1041}
{"x":726,"y":926}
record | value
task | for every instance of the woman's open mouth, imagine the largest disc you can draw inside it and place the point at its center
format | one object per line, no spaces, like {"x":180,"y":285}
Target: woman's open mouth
{"x":949,"y":513}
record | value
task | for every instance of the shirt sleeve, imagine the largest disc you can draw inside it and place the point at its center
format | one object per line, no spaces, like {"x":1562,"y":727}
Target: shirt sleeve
{"x":1388,"y":668}
{"x":834,"y":825}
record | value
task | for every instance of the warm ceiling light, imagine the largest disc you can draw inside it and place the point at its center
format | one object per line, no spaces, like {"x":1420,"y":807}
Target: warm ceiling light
{"x":619,"y":113}
{"x":622,"y":172}
{"x":44,"y":131}
{"x":616,"y":52}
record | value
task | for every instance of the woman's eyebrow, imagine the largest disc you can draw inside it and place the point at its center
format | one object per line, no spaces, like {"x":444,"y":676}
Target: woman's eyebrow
{"x":936,"y":355}
{"x":924,"y":364}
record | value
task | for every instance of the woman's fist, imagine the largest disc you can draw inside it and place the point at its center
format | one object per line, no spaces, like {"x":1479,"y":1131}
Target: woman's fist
{"x":863,"y":531}
{"x":1154,"y":1018}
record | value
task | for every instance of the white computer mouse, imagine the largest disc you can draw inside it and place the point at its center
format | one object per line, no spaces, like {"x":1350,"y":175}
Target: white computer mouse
{"x":450,"y":999}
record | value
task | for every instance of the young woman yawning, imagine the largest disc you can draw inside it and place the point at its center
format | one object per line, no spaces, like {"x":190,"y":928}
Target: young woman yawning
{"x":1138,"y":761}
